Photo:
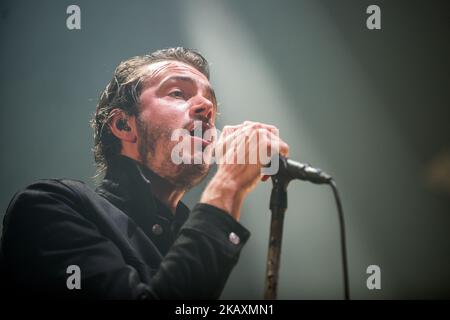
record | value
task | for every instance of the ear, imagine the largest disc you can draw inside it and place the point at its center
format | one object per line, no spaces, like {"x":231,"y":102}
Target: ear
{"x":123,"y":126}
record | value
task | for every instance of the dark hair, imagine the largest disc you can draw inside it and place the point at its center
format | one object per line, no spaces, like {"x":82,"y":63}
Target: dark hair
{"x":123,"y":93}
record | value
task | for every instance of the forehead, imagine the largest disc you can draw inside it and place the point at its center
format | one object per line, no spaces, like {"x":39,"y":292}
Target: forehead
{"x":159,"y":71}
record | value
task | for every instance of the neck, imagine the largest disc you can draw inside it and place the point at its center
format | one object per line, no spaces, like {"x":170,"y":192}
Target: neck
{"x":166,"y":192}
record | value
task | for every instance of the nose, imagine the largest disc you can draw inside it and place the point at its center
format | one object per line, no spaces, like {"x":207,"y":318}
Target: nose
{"x":202,"y":108}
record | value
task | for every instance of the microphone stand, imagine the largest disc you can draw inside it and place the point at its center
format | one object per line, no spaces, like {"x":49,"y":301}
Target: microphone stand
{"x":278,"y":206}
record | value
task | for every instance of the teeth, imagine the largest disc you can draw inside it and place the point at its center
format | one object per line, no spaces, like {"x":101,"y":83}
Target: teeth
{"x":199,"y":130}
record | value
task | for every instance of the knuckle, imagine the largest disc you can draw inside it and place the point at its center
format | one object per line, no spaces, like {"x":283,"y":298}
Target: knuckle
{"x":226,"y":129}
{"x":269,"y":126}
{"x":257,"y":125}
{"x":261,"y":130}
{"x":274,"y":130}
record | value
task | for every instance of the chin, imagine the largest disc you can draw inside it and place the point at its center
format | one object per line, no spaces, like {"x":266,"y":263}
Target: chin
{"x":190,"y":175}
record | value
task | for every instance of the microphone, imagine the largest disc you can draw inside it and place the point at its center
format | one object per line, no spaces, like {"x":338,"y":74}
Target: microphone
{"x":296,"y":170}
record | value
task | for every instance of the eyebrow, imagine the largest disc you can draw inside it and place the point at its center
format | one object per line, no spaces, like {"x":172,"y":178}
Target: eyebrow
{"x":192,"y":81}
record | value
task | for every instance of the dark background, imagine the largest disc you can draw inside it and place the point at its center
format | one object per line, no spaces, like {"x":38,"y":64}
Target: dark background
{"x":369,"y":106}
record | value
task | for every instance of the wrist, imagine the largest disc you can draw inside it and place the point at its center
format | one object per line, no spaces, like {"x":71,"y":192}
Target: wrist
{"x":224,"y":194}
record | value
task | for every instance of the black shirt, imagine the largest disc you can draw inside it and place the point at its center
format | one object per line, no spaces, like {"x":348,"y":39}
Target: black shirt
{"x":125,"y":242}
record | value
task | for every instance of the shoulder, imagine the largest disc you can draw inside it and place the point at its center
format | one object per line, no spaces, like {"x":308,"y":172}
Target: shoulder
{"x":56,"y":189}
{"x":43,"y":197}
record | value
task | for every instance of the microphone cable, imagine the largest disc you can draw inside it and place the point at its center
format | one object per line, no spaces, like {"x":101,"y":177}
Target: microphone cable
{"x":342,"y":238}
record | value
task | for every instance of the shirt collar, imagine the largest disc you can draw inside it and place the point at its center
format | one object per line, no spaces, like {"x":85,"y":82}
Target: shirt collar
{"x":127,"y":184}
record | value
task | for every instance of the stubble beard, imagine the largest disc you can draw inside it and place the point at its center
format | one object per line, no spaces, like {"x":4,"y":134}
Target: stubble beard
{"x":183,"y":176}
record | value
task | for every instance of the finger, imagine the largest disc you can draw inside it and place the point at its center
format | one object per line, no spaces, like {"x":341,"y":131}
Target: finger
{"x":225,"y":148}
{"x":228,"y":129}
{"x":278,"y":144}
{"x":259,"y":125}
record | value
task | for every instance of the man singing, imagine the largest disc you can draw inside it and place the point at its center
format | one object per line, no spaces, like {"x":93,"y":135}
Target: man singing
{"x":132,"y":238}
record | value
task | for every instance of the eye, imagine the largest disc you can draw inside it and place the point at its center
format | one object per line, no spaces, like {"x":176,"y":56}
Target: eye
{"x":176,"y":94}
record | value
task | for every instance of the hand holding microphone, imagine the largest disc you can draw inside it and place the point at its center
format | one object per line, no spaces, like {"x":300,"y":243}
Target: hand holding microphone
{"x":239,"y":163}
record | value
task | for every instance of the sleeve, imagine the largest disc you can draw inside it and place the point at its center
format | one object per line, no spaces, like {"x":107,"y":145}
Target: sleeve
{"x":202,"y":257}
{"x":44,"y":235}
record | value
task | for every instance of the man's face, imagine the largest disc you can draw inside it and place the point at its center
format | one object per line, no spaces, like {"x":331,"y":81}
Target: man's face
{"x":174,"y":95}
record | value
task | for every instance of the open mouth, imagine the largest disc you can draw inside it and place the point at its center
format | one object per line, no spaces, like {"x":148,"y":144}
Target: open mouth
{"x":196,"y":133}
{"x":198,"y":130}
